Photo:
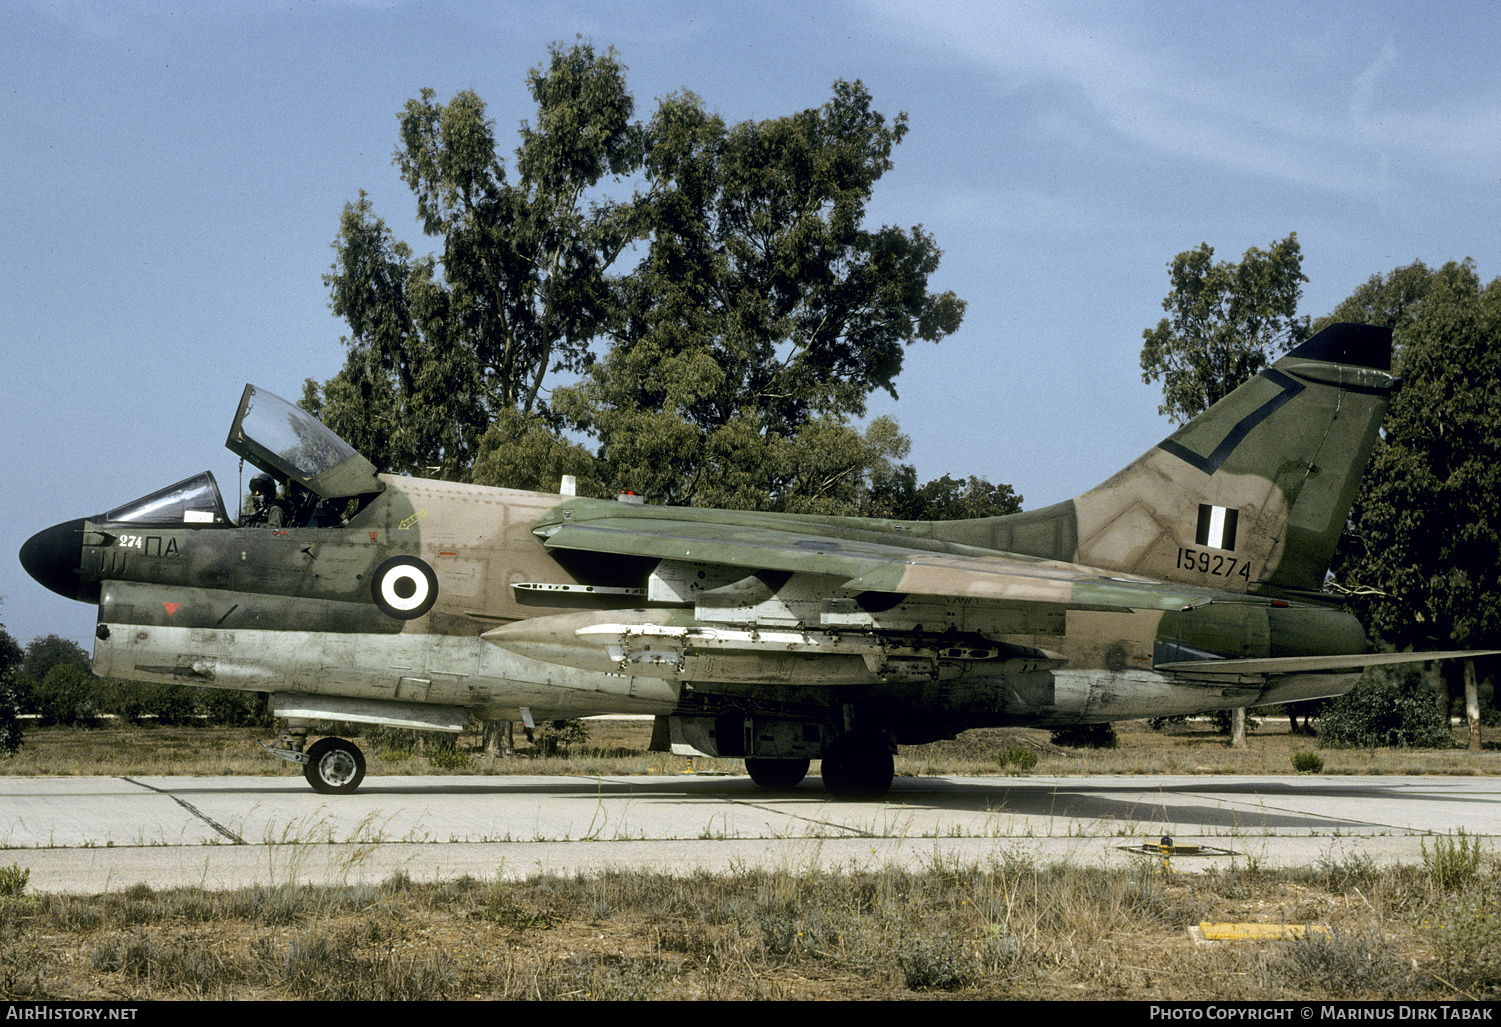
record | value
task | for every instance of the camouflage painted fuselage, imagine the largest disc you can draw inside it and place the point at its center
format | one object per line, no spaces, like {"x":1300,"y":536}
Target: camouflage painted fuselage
{"x":1170,"y":589}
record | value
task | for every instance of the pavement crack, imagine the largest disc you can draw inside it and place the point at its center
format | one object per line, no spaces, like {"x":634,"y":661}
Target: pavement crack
{"x":849,"y":830}
{"x":210,"y":821}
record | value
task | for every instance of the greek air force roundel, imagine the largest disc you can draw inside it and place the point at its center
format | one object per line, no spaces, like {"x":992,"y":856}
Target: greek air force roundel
{"x":404,"y":587}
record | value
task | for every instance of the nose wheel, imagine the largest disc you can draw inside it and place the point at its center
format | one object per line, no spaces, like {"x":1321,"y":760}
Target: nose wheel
{"x":334,"y":766}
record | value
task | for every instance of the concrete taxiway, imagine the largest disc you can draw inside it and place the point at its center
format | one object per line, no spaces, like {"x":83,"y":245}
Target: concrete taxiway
{"x":92,"y":834}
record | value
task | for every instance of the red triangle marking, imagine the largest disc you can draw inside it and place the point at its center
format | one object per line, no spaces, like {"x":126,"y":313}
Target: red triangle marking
{"x":171,"y":608}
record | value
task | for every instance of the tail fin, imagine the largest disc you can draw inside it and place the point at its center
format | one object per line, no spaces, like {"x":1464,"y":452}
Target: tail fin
{"x":1255,"y":490}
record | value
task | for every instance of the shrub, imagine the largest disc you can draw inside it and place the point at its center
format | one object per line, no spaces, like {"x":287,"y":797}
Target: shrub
{"x":13,"y":879}
{"x":175,"y":705}
{"x":940,"y":966}
{"x":10,"y":719}
{"x":1390,"y":708}
{"x":1454,"y":862}
{"x":1305,"y":762}
{"x":449,"y":759}
{"x":1086,"y":736}
{"x":65,"y":696}
{"x":1344,"y":964}
{"x":236,"y":709}
{"x":1018,"y":757}
{"x":1466,"y":933}
{"x":557,"y":737}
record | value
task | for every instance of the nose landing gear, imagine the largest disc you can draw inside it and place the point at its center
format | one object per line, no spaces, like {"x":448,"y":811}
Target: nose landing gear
{"x":332,"y":766}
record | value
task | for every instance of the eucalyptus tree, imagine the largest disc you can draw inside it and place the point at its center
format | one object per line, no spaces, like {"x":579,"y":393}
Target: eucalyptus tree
{"x":764,"y":312}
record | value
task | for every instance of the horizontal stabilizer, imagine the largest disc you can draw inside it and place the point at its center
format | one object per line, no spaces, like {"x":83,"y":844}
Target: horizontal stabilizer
{"x":1315,"y":664}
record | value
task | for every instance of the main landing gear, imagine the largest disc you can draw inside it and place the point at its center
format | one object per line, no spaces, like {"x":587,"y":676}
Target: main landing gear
{"x":778,"y":775}
{"x":858,"y":765}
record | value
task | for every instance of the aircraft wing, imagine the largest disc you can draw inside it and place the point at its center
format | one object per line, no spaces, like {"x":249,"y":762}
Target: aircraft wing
{"x":867,"y":566}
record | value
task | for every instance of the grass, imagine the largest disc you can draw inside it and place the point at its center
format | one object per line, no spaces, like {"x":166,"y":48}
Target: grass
{"x":1009,"y":927}
{"x":1006,"y":928}
{"x":618,"y":747}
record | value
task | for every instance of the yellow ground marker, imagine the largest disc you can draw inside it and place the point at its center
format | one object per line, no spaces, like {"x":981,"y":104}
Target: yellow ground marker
{"x":1207,"y":932}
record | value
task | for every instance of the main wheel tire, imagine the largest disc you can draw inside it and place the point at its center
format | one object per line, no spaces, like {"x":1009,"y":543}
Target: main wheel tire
{"x":334,"y":766}
{"x":862,"y":767}
{"x":779,"y":774}
{"x":831,"y":767}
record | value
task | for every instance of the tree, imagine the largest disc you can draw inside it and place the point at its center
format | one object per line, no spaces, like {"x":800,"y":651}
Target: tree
{"x":898,"y":495}
{"x":763,"y":314}
{"x":48,"y":651}
{"x":741,"y":347}
{"x":440,"y":346}
{"x":11,"y":659}
{"x":1425,"y":551}
{"x":1228,"y":322}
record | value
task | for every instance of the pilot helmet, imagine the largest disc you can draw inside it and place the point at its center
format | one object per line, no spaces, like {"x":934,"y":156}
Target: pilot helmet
{"x":263,"y":485}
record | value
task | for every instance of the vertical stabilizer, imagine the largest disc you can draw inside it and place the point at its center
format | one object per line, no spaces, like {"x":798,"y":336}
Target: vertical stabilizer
{"x":1255,"y":490}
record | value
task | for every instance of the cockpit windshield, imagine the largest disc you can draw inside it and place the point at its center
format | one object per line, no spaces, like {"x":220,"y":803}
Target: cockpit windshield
{"x":194,"y":500}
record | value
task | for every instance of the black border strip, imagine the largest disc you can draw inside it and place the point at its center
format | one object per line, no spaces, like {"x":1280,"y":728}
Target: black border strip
{"x":1290,"y":388}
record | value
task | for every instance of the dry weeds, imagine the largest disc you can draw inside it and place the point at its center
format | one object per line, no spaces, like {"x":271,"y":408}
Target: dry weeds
{"x":618,"y":747}
{"x":1007,"y":929}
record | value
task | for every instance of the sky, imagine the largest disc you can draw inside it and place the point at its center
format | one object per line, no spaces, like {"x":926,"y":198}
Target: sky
{"x":174,"y":175}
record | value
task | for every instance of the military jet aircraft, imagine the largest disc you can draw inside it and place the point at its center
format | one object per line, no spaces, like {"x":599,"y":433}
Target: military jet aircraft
{"x":1191,"y":581}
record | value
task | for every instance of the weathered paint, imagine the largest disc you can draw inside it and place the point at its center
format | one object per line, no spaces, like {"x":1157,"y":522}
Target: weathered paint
{"x":1174,"y":587}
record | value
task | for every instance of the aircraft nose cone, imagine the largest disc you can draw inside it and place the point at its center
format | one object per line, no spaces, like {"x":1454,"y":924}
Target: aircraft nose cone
{"x":53,"y":558}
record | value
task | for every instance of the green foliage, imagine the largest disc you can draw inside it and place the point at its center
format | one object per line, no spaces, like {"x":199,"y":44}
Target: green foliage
{"x":761,"y":315}
{"x":440,"y":345}
{"x":1391,"y":707}
{"x":1305,"y":762}
{"x":764,"y":313}
{"x":1228,"y":322}
{"x":1426,"y":533}
{"x":558,"y":737}
{"x":1086,"y":736}
{"x":521,"y":452}
{"x":48,"y":651}
{"x":1018,"y":758}
{"x":56,"y":682}
{"x":13,"y":879}
{"x":1454,"y":862}
{"x":65,"y":696}
{"x":897,"y":495}
{"x":449,"y":758}
{"x":12,"y":658}
{"x":176,"y":705}
{"x":1466,"y":935}
{"x":235,"y":709}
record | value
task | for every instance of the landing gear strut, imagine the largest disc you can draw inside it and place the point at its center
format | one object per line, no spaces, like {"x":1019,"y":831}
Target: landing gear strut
{"x":858,"y":765}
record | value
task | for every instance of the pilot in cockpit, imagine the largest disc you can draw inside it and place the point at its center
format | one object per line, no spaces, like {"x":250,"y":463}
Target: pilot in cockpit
{"x":267,"y":510}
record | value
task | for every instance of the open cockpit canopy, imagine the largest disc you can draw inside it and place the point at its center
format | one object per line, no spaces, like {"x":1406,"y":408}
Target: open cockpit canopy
{"x":293,"y":445}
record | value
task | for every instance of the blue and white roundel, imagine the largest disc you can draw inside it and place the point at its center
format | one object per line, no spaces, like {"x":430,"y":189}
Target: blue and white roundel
{"x":404,"y":587}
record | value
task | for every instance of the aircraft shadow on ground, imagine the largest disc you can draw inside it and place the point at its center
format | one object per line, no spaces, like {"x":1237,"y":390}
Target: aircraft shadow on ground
{"x":1239,"y":806}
